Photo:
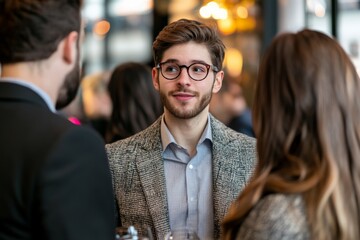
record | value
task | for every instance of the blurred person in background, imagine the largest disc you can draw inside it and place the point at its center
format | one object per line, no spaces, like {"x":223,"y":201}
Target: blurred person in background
{"x":306,"y":119}
{"x":92,"y":105}
{"x":54,"y":176}
{"x":136,"y":103}
{"x":230,"y":107}
{"x":184,"y":170}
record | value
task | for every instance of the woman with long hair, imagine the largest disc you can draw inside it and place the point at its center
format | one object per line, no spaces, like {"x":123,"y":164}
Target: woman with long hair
{"x":136,"y":104}
{"x":306,"y":118}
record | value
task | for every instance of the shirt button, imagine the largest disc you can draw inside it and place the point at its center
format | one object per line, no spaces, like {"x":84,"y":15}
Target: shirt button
{"x":192,"y":199}
{"x":191,"y":166}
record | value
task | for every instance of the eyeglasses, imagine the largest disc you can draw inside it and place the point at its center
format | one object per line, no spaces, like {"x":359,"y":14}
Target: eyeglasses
{"x":196,"y":71}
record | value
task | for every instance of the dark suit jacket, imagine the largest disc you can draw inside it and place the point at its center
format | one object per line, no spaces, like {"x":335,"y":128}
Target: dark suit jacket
{"x":54,"y":177}
{"x":139,"y":179}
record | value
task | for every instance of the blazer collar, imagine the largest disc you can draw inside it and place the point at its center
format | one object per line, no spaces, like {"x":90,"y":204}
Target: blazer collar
{"x":150,"y":166}
{"x":225,"y":158}
{"x":15,"y":92}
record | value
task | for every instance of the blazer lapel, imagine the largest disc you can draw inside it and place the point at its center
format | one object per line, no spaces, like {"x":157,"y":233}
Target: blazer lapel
{"x":152,"y":177}
{"x":225,"y":186}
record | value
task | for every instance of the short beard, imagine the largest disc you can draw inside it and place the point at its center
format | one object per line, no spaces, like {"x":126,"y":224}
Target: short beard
{"x":179,"y":113}
{"x":69,"y":89}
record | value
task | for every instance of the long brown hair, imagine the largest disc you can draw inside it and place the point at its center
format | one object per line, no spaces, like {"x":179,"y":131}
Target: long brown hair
{"x":307,"y":121}
{"x":136,"y":103}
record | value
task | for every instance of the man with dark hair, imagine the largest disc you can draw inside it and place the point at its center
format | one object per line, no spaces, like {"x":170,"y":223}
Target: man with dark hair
{"x":184,"y":170}
{"x":54,"y":177}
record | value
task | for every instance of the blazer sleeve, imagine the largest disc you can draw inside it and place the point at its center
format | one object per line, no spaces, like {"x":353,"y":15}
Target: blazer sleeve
{"x":276,"y":216}
{"x":75,"y":189}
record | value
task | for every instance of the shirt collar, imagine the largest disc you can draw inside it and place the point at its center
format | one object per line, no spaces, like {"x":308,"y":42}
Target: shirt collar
{"x":33,"y":87}
{"x":167,"y":138}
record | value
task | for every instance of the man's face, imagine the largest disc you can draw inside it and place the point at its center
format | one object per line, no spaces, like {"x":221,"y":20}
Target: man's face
{"x":183,"y":97}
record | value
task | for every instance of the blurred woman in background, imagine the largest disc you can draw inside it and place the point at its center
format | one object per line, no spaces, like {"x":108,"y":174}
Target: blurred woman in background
{"x":307,"y":121}
{"x":136,"y":104}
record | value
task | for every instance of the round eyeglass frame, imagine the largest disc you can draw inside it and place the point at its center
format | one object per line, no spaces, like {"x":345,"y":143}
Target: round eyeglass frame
{"x":208,"y":66}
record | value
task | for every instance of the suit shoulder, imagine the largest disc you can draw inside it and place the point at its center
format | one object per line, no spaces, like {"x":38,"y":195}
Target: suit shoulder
{"x":78,"y":137}
{"x":225,"y":134}
{"x":64,"y":128}
{"x":149,"y":138}
{"x":126,"y":142}
{"x":52,"y":129}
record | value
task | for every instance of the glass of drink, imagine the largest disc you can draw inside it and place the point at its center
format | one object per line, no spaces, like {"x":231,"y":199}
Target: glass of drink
{"x":182,"y":234}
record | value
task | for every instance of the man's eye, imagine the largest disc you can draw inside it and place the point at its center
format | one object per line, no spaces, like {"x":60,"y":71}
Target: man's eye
{"x":198,"y":69}
{"x":171,"y":69}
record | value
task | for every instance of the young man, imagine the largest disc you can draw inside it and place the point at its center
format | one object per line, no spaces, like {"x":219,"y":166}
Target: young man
{"x":185,"y":169}
{"x":54,"y":177}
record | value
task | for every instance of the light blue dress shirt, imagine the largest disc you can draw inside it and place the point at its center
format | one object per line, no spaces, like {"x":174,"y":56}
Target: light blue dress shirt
{"x":189,"y":183}
{"x":33,"y":87}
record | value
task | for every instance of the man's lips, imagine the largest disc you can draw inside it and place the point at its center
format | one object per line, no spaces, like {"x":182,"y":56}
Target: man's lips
{"x":183,"y":96}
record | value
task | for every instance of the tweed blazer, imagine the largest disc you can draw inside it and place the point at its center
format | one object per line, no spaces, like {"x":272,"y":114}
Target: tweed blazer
{"x":276,"y":216}
{"x":138,"y":175}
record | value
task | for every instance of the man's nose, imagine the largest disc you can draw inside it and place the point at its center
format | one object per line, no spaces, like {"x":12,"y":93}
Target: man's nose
{"x":184,"y":77}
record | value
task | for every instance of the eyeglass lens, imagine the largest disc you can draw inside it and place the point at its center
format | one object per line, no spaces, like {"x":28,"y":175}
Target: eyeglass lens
{"x":197,"y":71}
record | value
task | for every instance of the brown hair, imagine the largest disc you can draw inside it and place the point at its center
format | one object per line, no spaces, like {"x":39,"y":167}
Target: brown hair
{"x":306,"y":118}
{"x":31,"y":30}
{"x":183,"y":31}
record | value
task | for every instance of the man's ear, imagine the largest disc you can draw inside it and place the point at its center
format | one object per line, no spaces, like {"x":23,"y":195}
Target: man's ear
{"x":218,"y":81}
{"x":155,"y":78}
{"x":70,"y":47}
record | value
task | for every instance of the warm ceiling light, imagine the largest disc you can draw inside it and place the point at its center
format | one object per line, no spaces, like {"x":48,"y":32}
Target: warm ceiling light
{"x":220,"y":13}
{"x":101,"y":28}
{"x":212,"y":9}
{"x":242,"y":12}
{"x":233,"y":62}
{"x":205,"y":12}
{"x":227,"y":26}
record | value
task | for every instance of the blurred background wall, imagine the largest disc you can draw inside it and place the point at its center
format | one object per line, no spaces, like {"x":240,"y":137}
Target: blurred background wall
{"x":118,"y":31}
